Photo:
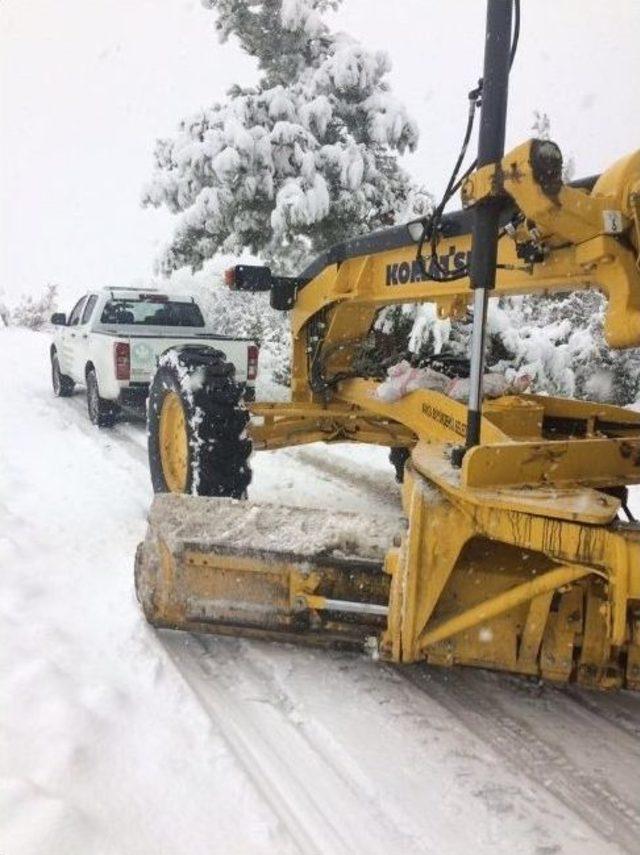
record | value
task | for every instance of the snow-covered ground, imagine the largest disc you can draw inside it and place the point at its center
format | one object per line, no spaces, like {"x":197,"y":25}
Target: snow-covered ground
{"x":121,"y":740}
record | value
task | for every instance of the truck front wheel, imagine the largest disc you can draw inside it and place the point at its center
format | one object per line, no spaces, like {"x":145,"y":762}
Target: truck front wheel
{"x":197,"y":426}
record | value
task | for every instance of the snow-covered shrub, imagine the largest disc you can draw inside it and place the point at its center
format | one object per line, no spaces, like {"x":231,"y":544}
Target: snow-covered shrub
{"x":305,"y":158}
{"x":558,"y":341}
{"x":34,"y":312}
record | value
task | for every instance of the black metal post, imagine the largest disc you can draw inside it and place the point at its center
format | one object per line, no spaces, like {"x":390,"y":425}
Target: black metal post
{"x":493,"y":118}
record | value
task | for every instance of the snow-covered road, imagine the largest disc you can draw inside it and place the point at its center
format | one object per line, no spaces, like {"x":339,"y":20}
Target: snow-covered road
{"x":119,"y":739}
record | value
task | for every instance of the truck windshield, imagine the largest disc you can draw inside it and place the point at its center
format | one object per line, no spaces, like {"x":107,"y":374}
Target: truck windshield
{"x":152,"y":311}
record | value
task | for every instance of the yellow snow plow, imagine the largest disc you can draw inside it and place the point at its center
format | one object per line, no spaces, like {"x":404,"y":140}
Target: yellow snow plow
{"x":511,"y":551}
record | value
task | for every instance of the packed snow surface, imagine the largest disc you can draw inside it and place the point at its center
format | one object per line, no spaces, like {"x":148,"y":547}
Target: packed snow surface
{"x":119,"y":740}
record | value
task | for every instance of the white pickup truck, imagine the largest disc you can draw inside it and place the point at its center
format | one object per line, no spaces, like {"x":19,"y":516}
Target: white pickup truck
{"x":113,"y":338}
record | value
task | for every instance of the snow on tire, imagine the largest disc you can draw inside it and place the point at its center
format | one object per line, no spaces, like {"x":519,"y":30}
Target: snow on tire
{"x":216,"y":450}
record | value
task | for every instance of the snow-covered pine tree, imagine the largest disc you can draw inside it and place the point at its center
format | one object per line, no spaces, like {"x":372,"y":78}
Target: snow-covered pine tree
{"x":559,"y":342}
{"x":303,"y":159}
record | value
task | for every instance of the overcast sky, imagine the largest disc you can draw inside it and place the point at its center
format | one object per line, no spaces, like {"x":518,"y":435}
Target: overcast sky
{"x":87,"y":85}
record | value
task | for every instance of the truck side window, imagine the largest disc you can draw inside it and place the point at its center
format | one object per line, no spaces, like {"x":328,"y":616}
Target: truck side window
{"x":74,"y":317}
{"x":88,"y":309}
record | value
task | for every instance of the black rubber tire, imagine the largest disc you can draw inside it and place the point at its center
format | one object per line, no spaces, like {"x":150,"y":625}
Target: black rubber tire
{"x":398,"y":456}
{"x":63,"y":386}
{"x":218,"y":450}
{"x":102,"y":413}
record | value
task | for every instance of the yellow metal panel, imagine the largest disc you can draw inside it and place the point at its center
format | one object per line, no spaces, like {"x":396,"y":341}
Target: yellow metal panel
{"x":578,"y":503}
{"x":533,"y":632}
{"x":429,"y":414}
{"x":556,"y":656}
{"x":594,"y":656}
{"x":503,"y":603}
{"x":593,"y":462}
{"x":618,"y":181}
{"x":517,"y":416}
{"x":573,"y":408}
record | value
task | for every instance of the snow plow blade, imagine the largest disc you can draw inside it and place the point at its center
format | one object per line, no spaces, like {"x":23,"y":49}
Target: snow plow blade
{"x":308,"y":575}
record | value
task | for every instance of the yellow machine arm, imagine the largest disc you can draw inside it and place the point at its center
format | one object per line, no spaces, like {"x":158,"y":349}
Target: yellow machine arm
{"x":582,"y":238}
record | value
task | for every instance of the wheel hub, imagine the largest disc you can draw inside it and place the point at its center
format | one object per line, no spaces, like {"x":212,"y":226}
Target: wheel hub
{"x":174,"y":446}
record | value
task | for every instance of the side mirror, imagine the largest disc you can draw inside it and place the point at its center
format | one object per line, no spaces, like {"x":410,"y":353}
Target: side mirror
{"x":59,"y":319}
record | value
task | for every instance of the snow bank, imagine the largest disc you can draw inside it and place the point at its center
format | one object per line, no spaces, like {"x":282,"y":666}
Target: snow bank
{"x":105,"y":750}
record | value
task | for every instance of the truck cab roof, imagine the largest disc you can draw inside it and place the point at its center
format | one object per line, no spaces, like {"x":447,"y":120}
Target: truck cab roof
{"x":120,"y":292}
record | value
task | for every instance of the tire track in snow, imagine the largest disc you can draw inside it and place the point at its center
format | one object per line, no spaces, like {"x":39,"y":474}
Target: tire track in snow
{"x":320,"y":804}
{"x":353,"y":474}
{"x":229,"y":722}
{"x":587,"y":795}
{"x":128,"y":434}
{"x":319,"y":739}
{"x":617,"y":711}
{"x":601,"y":709}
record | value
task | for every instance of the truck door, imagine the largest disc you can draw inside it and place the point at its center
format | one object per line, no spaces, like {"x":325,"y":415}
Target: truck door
{"x":81,"y":341}
{"x":70,"y":340}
